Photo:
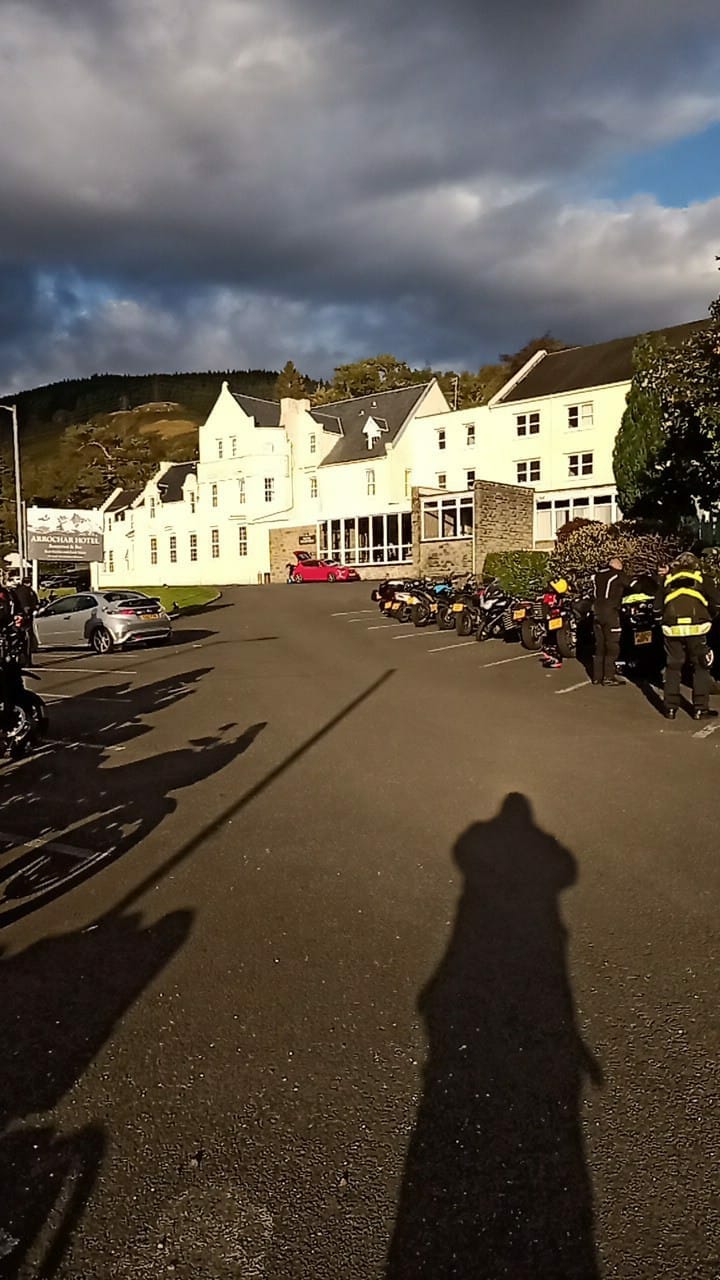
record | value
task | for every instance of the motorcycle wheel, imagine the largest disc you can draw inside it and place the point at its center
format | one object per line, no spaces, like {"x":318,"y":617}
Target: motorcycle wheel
{"x":445,"y":617}
{"x":420,"y":615}
{"x":464,"y":623}
{"x":566,"y":639}
{"x":531,"y":635}
{"x":404,"y":613}
{"x":481,"y":631}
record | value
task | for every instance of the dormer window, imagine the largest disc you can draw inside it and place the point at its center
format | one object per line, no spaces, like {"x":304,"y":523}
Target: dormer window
{"x":313,"y":443}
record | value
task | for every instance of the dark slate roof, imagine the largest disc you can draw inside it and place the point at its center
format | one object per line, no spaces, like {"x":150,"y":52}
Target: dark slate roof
{"x":391,"y":408}
{"x":124,"y":499}
{"x":596,"y":366}
{"x":170,"y":484}
{"x":265,"y":412}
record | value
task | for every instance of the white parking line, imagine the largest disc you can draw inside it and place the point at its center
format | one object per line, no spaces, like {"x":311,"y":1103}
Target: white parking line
{"x":705,"y":733}
{"x":385,"y":626}
{"x":349,"y":612}
{"x":444,"y":647}
{"x":412,"y":635}
{"x":501,"y":661}
{"x":84,"y":697}
{"x":95,"y":671}
{"x":571,"y":687}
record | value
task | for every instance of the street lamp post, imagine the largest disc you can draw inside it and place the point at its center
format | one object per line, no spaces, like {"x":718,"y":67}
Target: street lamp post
{"x":12,"y":409}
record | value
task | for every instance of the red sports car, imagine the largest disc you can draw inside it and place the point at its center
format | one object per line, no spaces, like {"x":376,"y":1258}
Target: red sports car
{"x":309,"y":570}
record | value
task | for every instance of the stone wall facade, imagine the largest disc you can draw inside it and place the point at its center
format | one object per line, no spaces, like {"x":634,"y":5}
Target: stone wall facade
{"x":504,"y":519}
{"x":284,"y":543}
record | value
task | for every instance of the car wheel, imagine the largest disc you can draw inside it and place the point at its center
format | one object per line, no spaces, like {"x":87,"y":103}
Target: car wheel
{"x":331,"y":577}
{"x":296,"y":578}
{"x":101,"y":641}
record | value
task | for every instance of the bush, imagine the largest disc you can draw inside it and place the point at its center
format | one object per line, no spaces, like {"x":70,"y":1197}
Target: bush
{"x":520,"y":573}
{"x":711,"y":564}
{"x":591,"y":546}
{"x":571,"y":526}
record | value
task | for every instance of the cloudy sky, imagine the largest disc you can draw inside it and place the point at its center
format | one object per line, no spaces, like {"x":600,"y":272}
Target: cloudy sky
{"x":242,"y":182}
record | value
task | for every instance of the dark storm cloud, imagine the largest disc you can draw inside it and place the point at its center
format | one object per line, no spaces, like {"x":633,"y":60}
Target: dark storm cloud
{"x":241,"y":175}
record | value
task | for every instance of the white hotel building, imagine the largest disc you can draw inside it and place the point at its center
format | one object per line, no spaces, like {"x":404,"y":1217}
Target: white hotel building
{"x":343,"y":473}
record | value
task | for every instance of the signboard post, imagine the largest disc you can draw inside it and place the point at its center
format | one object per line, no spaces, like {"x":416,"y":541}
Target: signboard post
{"x":57,"y":535}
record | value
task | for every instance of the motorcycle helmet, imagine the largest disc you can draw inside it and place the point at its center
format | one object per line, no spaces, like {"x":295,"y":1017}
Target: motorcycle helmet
{"x":560,"y":586}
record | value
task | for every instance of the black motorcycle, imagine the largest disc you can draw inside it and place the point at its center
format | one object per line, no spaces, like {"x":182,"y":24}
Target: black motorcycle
{"x":495,"y":617}
{"x":23,"y":716}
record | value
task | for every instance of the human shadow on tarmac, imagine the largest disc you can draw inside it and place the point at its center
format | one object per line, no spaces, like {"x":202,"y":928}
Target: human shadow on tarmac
{"x":62,"y":998}
{"x":82,"y":808}
{"x":495,"y":1185}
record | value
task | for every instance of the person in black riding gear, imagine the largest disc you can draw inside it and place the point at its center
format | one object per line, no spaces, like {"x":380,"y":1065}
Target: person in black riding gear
{"x":686,"y":604}
{"x":608,"y":588}
{"x":26,"y":603}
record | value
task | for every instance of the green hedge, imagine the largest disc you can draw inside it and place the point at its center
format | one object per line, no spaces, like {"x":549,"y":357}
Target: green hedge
{"x":591,"y":546}
{"x":520,"y":573}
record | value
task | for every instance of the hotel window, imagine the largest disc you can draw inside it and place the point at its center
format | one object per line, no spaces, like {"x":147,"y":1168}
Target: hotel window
{"x":193,"y":502}
{"x":370,"y":480}
{"x":242,"y":540}
{"x":111,"y":562}
{"x":153,"y":550}
{"x":269,"y":488}
{"x":220,"y":448}
{"x":447,"y":517}
{"x":313,"y":443}
{"x":378,"y":539}
{"x":469,"y":433}
{"x":442,"y":480}
{"x":233,"y":446}
{"x":215,"y":543}
{"x":241,"y":491}
{"x":173,"y":549}
{"x":313,"y":487}
{"x":469,"y":478}
{"x":527,"y":424}
{"x":152,"y":508}
{"x":193,"y":546}
{"x":580,"y":464}
{"x":528,"y":472}
{"x":580,"y":415}
{"x":408,"y":483}
{"x":441,"y":438}
{"x":214,"y":495}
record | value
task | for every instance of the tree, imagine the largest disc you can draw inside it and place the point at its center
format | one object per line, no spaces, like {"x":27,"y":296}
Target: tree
{"x":291,"y":384}
{"x":637,"y":453}
{"x":513,"y":363}
{"x":686,"y":382}
{"x":363,"y":377}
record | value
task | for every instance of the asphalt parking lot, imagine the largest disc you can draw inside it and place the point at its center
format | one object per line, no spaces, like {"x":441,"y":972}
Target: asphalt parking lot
{"x":333,"y":948}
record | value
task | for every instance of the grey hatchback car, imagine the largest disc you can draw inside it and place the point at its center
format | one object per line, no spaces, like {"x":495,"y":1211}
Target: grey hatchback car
{"x":105,"y":620}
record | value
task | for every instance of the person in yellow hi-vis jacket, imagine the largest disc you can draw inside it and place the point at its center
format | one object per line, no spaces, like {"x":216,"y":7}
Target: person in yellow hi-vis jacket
{"x":686,"y":603}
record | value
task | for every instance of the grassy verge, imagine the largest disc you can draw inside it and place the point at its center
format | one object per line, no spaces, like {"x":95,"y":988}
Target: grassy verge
{"x":183,"y":597}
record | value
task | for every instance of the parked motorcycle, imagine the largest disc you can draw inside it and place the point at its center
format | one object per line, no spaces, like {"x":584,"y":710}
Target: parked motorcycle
{"x":495,"y":621}
{"x":23,"y":716}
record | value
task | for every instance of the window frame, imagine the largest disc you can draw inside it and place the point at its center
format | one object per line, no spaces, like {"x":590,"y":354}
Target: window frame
{"x":214,"y":499}
{"x":470,"y":435}
{"x":172,"y":548}
{"x":153,"y":550}
{"x":313,"y":487}
{"x":242,"y":540}
{"x":441,"y":478}
{"x":193,"y":544}
{"x":456,"y":509}
{"x":269,"y":482}
{"x":528,"y":424}
{"x":581,"y":465}
{"x":370,"y":482}
{"x":529,"y":464}
{"x":584,"y":413}
{"x":441,"y":438}
{"x":214,"y":544}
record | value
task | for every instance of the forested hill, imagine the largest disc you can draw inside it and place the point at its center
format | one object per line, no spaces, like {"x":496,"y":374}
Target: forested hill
{"x":77,"y":400}
{"x":82,"y":437}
